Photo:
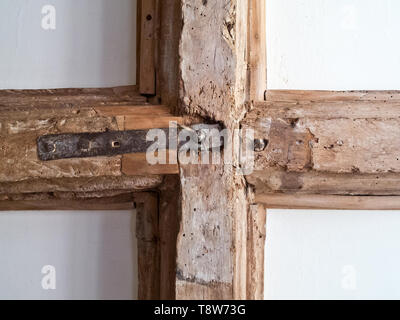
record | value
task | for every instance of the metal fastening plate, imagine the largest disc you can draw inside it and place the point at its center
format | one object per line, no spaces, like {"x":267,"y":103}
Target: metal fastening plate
{"x":82,"y":145}
{"x":112,"y":143}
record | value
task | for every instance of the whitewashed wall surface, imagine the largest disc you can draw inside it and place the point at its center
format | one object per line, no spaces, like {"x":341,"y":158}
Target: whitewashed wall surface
{"x":333,"y":44}
{"x":68,"y":255}
{"x":64,"y":43}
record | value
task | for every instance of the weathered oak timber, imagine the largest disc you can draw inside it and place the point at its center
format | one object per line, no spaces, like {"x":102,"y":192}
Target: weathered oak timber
{"x":328,"y":202}
{"x":327,"y":142}
{"x":211,"y":248}
{"x":27,"y":114}
{"x":256,"y":233}
{"x":169,"y":216}
{"x":147,"y":233}
{"x":257,"y":50}
{"x":68,"y":201}
{"x":92,"y":184}
{"x":148,"y":21}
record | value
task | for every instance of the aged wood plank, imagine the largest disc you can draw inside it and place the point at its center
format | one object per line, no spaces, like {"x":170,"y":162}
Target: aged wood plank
{"x":256,"y":232}
{"x":331,"y":96}
{"x":136,"y":164}
{"x":311,"y":182}
{"x":331,"y":137}
{"x":297,"y":201}
{"x":65,"y":97}
{"x":147,"y":80}
{"x":211,"y":249}
{"x":119,"y":202}
{"x":169,"y":209}
{"x":93,"y":184}
{"x":19,"y":131}
{"x":147,"y":233}
{"x":168,"y":58}
{"x":257,"y":50}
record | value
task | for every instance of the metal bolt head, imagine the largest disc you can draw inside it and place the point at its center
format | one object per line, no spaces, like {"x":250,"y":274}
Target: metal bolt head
{"x":260,"y":144}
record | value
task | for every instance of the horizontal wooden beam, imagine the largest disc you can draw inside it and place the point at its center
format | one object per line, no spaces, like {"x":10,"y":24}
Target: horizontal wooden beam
{"x":26,"y":115}
{"x":119,"y":202}
{"x":19,"y":134}
{"x":329,"y":202}
{"x":278,"y":180}
{"x":354,"y":136}
{"x":327,"y":143}
{"x":331,"y":96}
{"x":17,"y":99}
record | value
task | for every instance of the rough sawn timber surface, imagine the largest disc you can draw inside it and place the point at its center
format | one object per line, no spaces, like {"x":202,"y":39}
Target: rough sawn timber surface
{"x":27,"y":114}
{"x":327,"y":142}
{"x":211,"y":248}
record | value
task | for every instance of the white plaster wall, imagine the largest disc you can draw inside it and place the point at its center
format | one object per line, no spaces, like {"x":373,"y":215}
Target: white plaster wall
{"x":333,"y":44}
{"x":93,"y":45}
{"x":94,"y":254}
{"x":332,"y":255}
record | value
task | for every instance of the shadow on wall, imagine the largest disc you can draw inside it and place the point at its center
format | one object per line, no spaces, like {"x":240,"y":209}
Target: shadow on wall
{"x":93,"y":44}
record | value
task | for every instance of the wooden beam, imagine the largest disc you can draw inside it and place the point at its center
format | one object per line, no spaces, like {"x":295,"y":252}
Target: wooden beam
{"x":147,"y":233}
{"x":168,"y":58}
{"x":328,"y":202}
{"x":256,"y":234}
{"x":257,"y":50}
{"x":354,"y":136}
{"x":148,"y":21}
{"x":211,"y":249}
{"x":92,"y":184}
{"x":53,"y":98}
{"x":169,"y":209}
{"x":273,"y":180}
{"x":118,"y":202}
{"x":23,"y":120}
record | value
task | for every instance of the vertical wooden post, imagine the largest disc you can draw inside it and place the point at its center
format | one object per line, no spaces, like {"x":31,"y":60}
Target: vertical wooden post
{"x":211,"y":246}
{"x":257,"y":50}
{"x":147,"y":233}
{"x":255,"y":252}
{"x":169,"y":225}
{"x":148,"y":21}
{"x":168,"y":58}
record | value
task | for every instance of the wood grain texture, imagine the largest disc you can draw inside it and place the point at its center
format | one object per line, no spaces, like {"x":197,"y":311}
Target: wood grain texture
{"x":311,"y":182}
{"x":52,"y":98}
{"x":295,"y":201}
{"x":147,"y":233}
{"x":257,"y":50}
{"x":27,"y":114}
{"x":148,"y":21}
{"x":136,"y":164}
{"x":93,"y":184}
{"x":170,"y":211}
{"x":51,"y":202}
{"x":256,"y":233}
{"x":211,"y":248}
{"x":357,"y":136}
{"x":168,"y":56}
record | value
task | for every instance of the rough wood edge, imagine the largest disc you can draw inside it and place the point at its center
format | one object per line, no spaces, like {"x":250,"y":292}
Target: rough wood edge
{"x":256,"y":233}
{"x":170,"y":210}
{"x":257,"y":50}
{"x":148,"y":21}
{"x":147,"y":233}
{"x":119,"y":202}
{"x":328,"y":202}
